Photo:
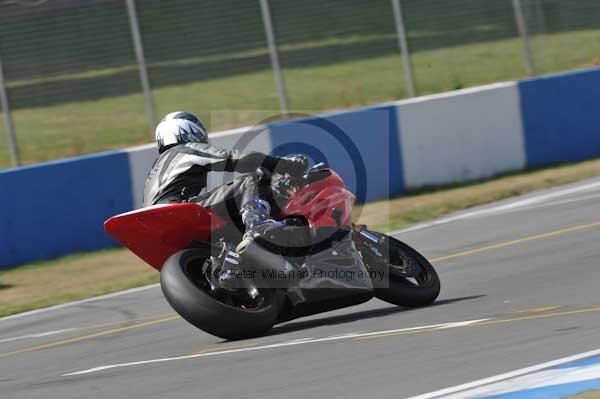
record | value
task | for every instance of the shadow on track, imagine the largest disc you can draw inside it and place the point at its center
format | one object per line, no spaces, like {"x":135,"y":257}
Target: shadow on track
{"x":366,"y":314}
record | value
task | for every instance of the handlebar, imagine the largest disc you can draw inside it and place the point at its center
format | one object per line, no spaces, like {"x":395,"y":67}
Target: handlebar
{"x":315,"y":168}
{"x":288,"y":182}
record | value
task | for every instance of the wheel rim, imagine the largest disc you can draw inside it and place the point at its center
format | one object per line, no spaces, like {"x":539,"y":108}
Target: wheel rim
{"x":407,"y":268}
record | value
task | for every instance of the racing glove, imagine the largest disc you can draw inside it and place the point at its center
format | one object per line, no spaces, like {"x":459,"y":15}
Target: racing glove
{"x":294,"y":164}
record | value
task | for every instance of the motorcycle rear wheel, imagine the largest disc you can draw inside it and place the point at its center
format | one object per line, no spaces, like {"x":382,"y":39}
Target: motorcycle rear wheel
{"x":193,"y":301}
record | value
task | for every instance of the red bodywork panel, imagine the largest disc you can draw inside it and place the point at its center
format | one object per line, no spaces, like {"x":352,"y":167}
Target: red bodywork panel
{"x":159,"y":231}
{"x":316,"y":201}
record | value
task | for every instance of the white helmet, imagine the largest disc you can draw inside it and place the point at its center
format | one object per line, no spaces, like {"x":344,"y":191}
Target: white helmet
{"x":177,"y":128}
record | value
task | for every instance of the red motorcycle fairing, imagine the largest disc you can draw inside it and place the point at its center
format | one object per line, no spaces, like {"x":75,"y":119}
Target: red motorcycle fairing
{"x":317,"y":201}
{"x":157,"y":232}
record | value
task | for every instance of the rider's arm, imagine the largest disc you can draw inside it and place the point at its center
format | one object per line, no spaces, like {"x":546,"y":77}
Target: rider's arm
{"x":248,"y":162}
{"x":222,"y":160}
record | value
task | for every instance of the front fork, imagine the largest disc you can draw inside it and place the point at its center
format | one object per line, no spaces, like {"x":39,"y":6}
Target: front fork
{"x":370,"y":244}
{"x":374,"y":237}
{"x":375,"y":249}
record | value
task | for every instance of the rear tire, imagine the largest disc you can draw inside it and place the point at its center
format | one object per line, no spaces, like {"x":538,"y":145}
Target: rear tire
{"x":198,"y":307}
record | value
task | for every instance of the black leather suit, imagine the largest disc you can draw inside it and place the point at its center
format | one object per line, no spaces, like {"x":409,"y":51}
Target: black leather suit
{"x":180,"y":175}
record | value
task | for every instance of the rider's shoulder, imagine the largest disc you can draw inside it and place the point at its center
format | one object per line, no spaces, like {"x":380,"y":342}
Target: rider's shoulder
{"x":196,"y":146}
{"x":207,"y":149}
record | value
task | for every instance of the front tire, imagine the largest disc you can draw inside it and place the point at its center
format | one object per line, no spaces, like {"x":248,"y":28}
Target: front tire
{"x":422,"y":289}
{"x":193,"y":301}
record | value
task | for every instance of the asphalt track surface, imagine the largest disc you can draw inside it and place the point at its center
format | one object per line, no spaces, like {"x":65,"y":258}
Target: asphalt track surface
{"x":519,"y":287}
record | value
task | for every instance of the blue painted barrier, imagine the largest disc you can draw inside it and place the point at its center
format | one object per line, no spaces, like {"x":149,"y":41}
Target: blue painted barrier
{"x":561,"y":117}
{"x":361,"y":145}
{"x":58,"y":208}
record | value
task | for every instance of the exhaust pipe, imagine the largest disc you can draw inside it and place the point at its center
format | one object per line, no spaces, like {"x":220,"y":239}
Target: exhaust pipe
{"x":271,"y":269}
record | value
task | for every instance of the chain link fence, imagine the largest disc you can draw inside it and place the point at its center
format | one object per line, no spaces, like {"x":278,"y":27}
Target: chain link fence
{"x":564,"y":34}
{"x":88,"y":75}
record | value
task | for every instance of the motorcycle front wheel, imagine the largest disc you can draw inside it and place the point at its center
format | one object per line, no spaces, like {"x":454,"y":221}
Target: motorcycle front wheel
{"x":410,"y":280}
{"x":231,"y":317}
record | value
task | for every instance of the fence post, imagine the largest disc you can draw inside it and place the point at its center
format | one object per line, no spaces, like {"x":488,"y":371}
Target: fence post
{"x":522,"y":28}
{"x":403,"y":43}
{"x":279,"y":82}
{"x":8,"y":122}
{"x":141,"y":61}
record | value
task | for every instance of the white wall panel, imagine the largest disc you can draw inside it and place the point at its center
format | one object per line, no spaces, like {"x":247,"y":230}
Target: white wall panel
{"x":141,"y":160}
{"x":460,"y":136}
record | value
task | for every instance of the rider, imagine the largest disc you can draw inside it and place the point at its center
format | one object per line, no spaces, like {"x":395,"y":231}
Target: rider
{"x":180,"y":173}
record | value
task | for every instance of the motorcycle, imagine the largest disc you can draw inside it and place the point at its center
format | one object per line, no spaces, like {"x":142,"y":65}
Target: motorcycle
{"x":317,"y":261}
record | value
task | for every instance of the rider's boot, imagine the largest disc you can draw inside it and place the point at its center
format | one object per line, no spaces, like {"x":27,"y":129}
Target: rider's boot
{"x":228,"y":266}
{"x":256,"y":216}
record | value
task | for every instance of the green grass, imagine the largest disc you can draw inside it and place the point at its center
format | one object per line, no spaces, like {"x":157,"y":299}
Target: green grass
{"x":594,"y":394}
{"x":46,"y":133}
{"x":85,"y":275}
{"x":74,"y":86}
{"x":71,"y":278}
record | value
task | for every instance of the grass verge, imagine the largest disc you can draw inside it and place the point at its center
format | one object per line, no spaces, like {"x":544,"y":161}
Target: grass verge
{"x":430,"y":203}
{"x":587,"y":395}
{"x":103,"y":123}
{"x":81,"y":276}
{"x":71,"y":278}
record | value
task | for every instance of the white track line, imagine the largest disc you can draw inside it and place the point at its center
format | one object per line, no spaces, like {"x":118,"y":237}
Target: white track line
{"x":345,"y":335}
{"x":517,"y":373}
{"x":556,"y":203}
{"x":530,"y":200}
{"x":38,"y":335}
{"x":75,"y":303}
{"x":277,"y":345}
{"x":299,"y":340}
{"x":547,"y":379}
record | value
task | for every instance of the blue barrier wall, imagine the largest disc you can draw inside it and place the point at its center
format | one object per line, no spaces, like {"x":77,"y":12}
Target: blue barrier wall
{"x":561,"y":117}
{"x":58,"y":208}
{"x":361,"y":145}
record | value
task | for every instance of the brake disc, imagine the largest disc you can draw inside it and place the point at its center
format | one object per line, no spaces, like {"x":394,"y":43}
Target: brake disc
{"x":408,"y":266}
